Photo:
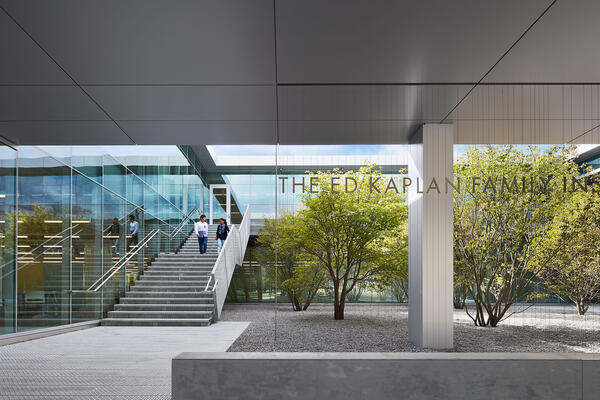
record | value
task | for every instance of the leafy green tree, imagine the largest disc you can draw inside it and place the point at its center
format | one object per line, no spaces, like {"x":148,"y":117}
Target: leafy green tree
{"x":572,"y":270}
{"x":460,"y":293}
{"x":299,"y":277}
{"x":343,"y":218}
{"x":502,"y":213}
{"x":393,"y":263}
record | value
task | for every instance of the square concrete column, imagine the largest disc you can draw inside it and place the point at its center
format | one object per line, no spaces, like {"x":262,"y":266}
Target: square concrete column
{"x":430,"y":237}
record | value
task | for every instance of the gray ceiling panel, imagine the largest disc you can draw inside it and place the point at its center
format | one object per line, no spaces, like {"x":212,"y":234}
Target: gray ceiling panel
{"x":346,"y":132}
{"x":46,"y":103}
{"x":201,"y":132}
{"x":368,"y":102}
{"x":202,"y":72}
{"x":63,"y":133}
{"x":531,"y":102}
{"x":155,"y":41}
{"x":232,"y":103}
{"x":562,"y":47}
{"x":396,"y":41}
{"x":21,"y":61}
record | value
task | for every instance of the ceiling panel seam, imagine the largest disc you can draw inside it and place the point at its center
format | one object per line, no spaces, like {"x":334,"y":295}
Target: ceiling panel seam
{"x":500,"y":59}
{"x":276,"y":72}
{"x":22,"y":28}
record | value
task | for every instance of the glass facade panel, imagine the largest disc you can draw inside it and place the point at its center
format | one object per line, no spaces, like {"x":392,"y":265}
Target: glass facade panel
{"x":114,"y":223}
{"x":115,"y":176}
{"x":7,"y":239}
{"x":65,"y":221}
{"x":88,"y":160}
{"x":86,"y":251}
{"x":44,"y":187}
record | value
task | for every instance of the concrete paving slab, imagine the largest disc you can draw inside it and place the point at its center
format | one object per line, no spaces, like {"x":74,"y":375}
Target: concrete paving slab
{"x":106,"y":362}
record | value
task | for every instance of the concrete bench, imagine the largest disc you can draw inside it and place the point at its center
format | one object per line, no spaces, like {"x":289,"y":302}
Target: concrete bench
{"x":348,"y":376}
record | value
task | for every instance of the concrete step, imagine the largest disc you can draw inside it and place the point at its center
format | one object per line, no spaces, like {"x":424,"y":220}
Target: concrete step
{"x":172,"y":283}
{"x":178,"y":270}
{"x":164,"y":307}
{"x":183,"y":265}
{"x":155,"y":322}
{"x":193,"y":254}
{"x":169,"y":294}
{"x":164,"y":288}
{"x":160,"y":314}
{"x":148,"y":277}
{"x":196,"y":248}
{"x":181,"y":256}
{"x":199,"y":261}
{"x":166,"y":300}
{"x":171,"y":271}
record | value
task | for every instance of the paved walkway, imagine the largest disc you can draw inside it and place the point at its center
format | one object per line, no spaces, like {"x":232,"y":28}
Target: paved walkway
{"x":105,"y":362}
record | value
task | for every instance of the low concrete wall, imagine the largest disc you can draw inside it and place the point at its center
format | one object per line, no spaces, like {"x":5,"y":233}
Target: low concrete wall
{"x":12,"y":338}
{"x":348,"y":376}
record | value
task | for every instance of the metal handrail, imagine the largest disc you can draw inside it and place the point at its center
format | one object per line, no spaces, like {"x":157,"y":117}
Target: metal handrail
{"x":43,"y":252}
{"x":241,"y":230}
{"x":100,"y":282}
{"x":185,"y":220}
{"x":226,"y":240}
{"x":120,"y":264}
{"x":214,"y":269}
{"x":208,"y":283}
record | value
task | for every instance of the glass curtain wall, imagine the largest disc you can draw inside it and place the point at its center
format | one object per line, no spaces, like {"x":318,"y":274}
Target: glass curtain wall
{"x":8,"y":297}
{"x":65,"y":221}
{"x":279,"y":191}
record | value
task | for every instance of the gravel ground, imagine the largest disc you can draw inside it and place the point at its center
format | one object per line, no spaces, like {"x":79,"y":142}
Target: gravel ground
{"x":384,"y":328}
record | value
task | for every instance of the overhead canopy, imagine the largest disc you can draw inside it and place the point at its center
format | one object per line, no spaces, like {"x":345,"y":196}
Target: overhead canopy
{"x":297,"y":72}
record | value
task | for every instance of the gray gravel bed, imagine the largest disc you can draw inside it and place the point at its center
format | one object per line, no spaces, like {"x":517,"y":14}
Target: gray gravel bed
{"x":384,"y":328}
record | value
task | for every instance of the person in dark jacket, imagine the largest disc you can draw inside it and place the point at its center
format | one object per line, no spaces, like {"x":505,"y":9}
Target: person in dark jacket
{"x":222,"y":231}
{"x":114,"y":233}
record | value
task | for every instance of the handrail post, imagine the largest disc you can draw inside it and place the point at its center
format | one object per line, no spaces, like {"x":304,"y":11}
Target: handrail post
{"x":215,"y":316}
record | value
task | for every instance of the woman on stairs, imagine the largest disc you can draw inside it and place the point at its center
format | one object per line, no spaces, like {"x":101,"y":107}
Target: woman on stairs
{"x":222,"y":231}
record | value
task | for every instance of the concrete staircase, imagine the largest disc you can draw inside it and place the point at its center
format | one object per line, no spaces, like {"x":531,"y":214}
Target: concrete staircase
{"x":171,"y":290}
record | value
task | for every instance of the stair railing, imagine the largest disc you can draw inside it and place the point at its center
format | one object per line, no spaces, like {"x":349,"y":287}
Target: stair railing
{"x":184,"y":221}
{"x":122,"y":262}
{"x":100,"y":282}
{"x":231,"y":255}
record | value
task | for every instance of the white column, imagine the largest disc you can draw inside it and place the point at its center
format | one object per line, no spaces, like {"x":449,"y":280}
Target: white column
{"x":430,"y":252}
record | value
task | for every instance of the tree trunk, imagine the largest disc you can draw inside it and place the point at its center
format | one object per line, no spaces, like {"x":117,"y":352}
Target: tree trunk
{"x":295,"y":303}
{"x":342,"y":303}
{"x":336,"y":301}
{"x":339,"y":311}
{"x":581,"y":307}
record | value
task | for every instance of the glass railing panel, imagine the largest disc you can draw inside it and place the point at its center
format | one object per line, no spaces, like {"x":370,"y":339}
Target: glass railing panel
{"x":135,"y":229}
{"x":113,"y":247}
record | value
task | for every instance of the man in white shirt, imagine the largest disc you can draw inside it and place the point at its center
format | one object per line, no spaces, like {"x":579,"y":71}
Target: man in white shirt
{"x":201,"y":230}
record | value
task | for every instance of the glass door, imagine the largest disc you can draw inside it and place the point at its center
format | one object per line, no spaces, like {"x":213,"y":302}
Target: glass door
{"x":220,"y":203}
